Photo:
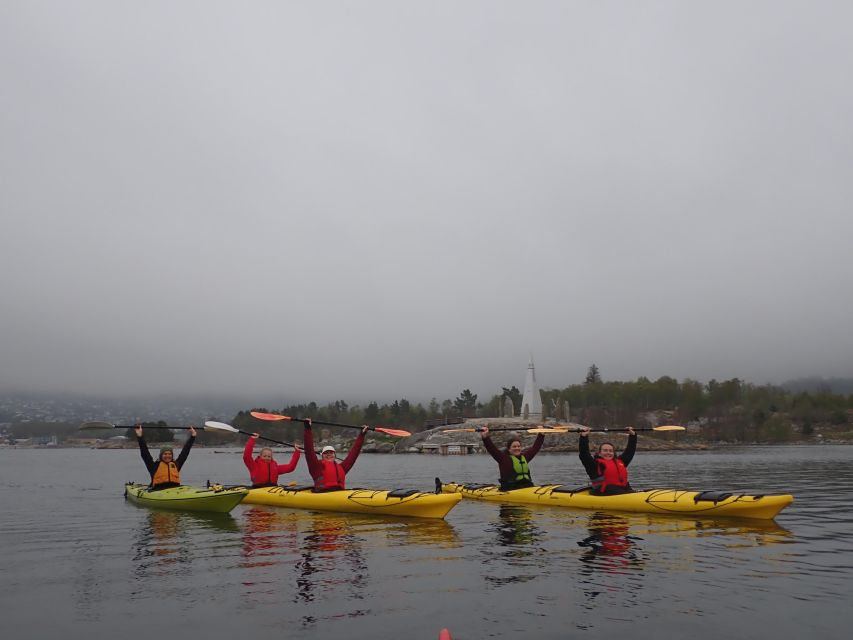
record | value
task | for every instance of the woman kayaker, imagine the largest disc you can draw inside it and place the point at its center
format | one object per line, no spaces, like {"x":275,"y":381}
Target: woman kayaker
{"x":328,"y":473}
{"x":264,"y":470}
{"x":166,"y":471}
{"x":607,"y":472}
{"x":513,"y":461}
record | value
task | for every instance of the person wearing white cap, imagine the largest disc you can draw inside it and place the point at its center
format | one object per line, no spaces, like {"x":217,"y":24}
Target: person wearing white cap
{"x":328,"y":473}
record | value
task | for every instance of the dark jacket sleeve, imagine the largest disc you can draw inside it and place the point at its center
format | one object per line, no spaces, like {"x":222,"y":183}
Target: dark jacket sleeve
{"x":630,"y":450}
{"x":496,"y":453}
{"x":353,"y":453}
{"x":146,"y":456}
{"x":533,"y":449}
{"x":586,"y":457}
{"x":185,"y":452}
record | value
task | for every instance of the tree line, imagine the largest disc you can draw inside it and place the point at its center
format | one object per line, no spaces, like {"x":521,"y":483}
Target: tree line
{"x":728,"y":410}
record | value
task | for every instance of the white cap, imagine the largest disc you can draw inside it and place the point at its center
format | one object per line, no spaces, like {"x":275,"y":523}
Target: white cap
{"x":327,"y":448}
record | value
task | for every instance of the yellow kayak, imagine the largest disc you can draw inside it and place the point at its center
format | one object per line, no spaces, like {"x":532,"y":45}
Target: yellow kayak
{"x":661,"y":501}
{"x":400,"y":502}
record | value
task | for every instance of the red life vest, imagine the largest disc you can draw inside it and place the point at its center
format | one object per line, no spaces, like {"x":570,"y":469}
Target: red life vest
{"x":264,"y":472}
{"x":166,"y":474}
{"x":333,"y":476}
{"x":611,"y":472}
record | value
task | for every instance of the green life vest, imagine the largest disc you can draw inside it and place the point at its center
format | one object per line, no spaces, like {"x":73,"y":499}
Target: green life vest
{"x":522,"y":474}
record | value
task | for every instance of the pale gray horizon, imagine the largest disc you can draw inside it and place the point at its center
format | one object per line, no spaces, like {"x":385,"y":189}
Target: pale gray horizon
{"x":319,"y":201}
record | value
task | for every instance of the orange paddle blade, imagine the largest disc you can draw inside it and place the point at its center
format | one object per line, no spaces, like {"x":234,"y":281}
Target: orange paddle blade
{"x":269,"y":416}
{"x":400,"y":433}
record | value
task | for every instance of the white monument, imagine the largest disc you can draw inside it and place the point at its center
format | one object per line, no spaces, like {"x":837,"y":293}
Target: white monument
{"x":531,"y":401}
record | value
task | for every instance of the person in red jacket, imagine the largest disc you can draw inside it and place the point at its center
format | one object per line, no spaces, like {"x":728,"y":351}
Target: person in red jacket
{"x":328,"y":473}
{"x":608,"y":473}
{"x":264,"y":470}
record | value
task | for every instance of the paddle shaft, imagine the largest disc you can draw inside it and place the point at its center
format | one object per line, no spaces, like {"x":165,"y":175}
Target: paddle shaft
{"x":559,"y":429}
{"x":260,"y":415}
{"x":286,"y":444}
{"x":606,"y":430}
{"x":104,"y":425}
{"x":400,"y":433}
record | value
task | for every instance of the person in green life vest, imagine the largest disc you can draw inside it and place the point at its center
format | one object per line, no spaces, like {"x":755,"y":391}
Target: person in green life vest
{"x":513,"y":461}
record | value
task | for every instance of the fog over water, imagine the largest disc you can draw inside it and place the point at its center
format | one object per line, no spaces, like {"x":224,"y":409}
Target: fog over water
{"x":383,"y":200}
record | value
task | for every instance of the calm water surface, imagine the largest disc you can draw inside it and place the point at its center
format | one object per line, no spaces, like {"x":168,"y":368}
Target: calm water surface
{"x":77,"y":561}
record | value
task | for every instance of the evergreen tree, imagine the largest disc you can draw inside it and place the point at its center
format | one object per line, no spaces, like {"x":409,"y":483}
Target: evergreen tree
{"x":466,"y":403}
{"x":592,"y":375}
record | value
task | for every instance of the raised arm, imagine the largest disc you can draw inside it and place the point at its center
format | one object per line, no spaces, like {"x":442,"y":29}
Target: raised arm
{"x":496,"y":453}
{"x":248,"y":450}
{"x":186,"y":450}
{"x":143,"y":451}
{"x":290,"y":466}
{"x":630,"y":448}
{"x":356,"y":449}
{"x":314,"y":466}
{"x":587,"y":460}
{"x":533,"y":449}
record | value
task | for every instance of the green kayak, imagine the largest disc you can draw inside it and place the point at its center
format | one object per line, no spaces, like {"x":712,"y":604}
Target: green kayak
{"x":183,"y":498}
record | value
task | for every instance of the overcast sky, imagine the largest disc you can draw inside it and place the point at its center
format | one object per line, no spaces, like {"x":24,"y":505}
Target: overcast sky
{"x":378,"y":200}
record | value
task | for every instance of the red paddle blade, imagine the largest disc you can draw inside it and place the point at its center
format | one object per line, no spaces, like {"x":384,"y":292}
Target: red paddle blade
{"x":400,"y":433}
{"x":269,"y":416}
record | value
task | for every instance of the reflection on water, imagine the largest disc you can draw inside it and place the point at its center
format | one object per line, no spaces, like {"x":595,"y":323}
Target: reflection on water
{"x":168,"y":540}
{"x":327,"y":553}
{"x":413,"y":532}
{"x":269,"y":540}
{"x":736,"y":530}
{"x":612,"y":560}
{"x":517,"y":555}
{"x":609,"y":547}
{"x":332,"y":563}
{"x":515,"y":528}
{"x":331,"y":558}
{"x":266,"y":534}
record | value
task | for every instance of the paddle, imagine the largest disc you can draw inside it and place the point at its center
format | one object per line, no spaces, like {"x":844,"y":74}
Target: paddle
{"x":665,"y":427}
{"x":110,"y":425}
{"x":517,"y":429}
{"x":221,"y":426}
{"x":565,"y":429}
{"x":210,"y":424}
{"x":400,"y":433}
